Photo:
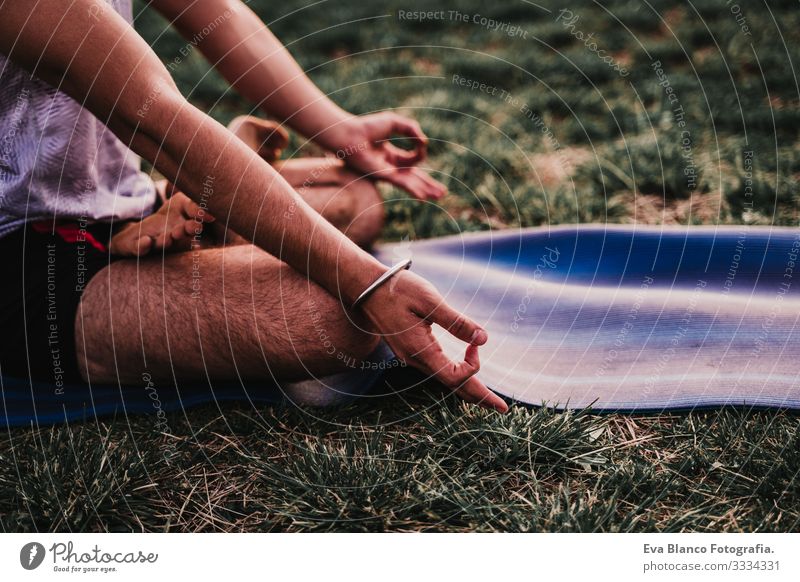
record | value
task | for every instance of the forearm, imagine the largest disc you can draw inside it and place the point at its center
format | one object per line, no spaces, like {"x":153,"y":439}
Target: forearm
{"x":110,"y":70}
{"x":256,"y":63}
{"x":243,"y":190}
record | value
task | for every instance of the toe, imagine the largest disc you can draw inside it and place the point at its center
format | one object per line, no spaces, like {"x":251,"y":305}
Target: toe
{"x":193,"y":228}
{"x":190,"y":209}
{"x":163,"y":240}
{"x":143,"y":245}
{"x":181,"y":230}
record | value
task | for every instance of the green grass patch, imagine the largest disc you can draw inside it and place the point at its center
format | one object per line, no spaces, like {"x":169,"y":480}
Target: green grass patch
{"x":419,"y":463}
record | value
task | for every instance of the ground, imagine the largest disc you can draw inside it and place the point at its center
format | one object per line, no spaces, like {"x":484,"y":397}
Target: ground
{"x":692,"y":117}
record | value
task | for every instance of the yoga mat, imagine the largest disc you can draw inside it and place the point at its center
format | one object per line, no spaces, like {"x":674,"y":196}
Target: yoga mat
{"x":620,"y":318}
{"x":26,"y":403}
{"x":626,"y":318}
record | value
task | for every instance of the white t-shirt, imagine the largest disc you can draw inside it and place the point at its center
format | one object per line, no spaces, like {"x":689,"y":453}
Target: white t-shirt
{"x":57,"y":160}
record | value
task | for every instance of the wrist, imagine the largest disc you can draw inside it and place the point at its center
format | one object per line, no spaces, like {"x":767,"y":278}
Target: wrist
{"x":363,"y":274}
{"x":373,"y":287}
{"x":340,"y":133}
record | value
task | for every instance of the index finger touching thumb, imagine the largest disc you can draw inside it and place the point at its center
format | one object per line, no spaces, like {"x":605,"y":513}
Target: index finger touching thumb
{"x":459,"y":325}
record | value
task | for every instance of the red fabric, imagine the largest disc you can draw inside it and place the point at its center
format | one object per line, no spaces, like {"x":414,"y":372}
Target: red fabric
{"x":70,"y":232}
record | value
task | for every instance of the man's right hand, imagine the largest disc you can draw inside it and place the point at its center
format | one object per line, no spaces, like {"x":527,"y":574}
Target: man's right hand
{"x":103,"y":64}
{"x":403,"y":311}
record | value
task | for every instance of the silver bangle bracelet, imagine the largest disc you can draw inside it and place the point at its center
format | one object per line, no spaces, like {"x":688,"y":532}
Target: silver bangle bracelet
{"x":380,"y":281}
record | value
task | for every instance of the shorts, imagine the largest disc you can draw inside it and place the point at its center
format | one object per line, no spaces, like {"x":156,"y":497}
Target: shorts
{"x":47,"y":269}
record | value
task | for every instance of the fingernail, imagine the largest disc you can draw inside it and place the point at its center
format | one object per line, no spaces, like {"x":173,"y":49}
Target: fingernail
{"x":479,"y":337}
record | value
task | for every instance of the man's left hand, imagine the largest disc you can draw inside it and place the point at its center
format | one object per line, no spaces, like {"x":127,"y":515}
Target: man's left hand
{"x":368,"y":149}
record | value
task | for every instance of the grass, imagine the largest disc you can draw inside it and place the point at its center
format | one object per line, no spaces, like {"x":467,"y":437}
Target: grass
{"x":407,"y":465}
{"x":593,"y":147}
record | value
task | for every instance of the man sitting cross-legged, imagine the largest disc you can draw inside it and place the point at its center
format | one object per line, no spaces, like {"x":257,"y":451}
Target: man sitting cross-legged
{"x":221,"y":312}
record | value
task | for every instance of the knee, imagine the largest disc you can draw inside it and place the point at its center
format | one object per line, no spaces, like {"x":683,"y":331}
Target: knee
{"x":93,"y":369}
{"x":331,"y":337}
{"x":368,"y":214}
{"x":93,"y":350}
{"x":359,"y":344}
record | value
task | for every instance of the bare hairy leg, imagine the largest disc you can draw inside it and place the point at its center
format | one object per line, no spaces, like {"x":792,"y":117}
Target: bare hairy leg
{"x":247,"y":315}
{"x":252,"y":317}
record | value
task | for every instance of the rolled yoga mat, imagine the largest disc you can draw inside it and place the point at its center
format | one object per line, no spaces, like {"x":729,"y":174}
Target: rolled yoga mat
{"x":626,"y":318}
{"x":620,"y":318}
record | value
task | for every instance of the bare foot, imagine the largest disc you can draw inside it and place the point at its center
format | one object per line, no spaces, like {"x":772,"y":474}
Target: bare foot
{"x":179,"y":223}
{"x":171,"y":226}
{"x":264,"y":137}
